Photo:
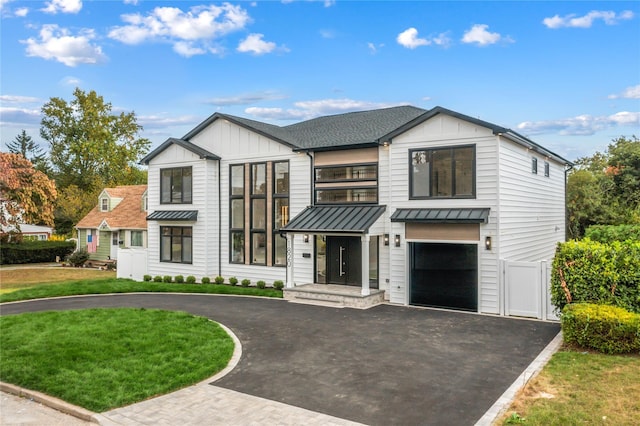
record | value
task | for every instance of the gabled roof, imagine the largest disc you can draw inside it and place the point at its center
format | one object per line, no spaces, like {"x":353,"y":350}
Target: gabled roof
{"x":201,"y":152}
{"x":128,"y":214}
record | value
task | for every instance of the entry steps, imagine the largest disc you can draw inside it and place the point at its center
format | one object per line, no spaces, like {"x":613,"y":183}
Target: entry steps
{"x":335,"y":296}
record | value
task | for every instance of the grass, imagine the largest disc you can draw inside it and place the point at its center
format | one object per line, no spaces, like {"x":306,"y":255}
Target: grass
{"x":15,"y":279}
{"x":100,"y":359}
{"x":581,"y":388}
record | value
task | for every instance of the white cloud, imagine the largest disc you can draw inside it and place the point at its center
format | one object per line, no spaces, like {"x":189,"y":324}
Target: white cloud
{"x":187,"y":49}
{"x":19,"y":116}
{"x":582,"y":125}
{"x":632,"y":92}
{"x":246,"y":98}
{"x":326,"y":33}
{"x":586,"y":21}
{"x":256,"y":45}
{"x":306,"y":110}
{"x":373,"y":48}
{"x":17,"y":99}
{"x":479,"y":34}
{"x":22,"y":12}
{"x":133,"y":2}
{"x":71,"y":81}
{"x":64,"y":6}
{"x":58,"y":44}
{"x":409,"y":39}
{"x":161,"y":121}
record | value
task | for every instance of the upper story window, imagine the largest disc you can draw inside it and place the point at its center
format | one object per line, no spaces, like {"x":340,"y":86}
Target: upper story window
{"x":350,"y":183}
{"x":347,"y":173}
{"x":104,"y":204}
{"x":442,"y":173}
{"x":534,"y":165}
{"x":175,"y":185}
{"x":546,"y":169}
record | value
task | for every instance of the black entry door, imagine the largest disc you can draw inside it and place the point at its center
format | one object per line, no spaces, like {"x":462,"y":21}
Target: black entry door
{"x":344,"y":264}
{"x":444,"y":275}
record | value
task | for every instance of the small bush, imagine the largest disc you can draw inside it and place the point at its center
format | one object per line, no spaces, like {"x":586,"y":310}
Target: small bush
{"x":219,"y":280}
{"x":157,"y":279}
{"x":147,"y":278}
{"x":261,"y":284}
{"x":78,"y":258}
{"x":278,"y":284}
{"x":179,"y":279}
{"x":205,"y":280}
{"x":191,"y":279}
{"x":246,"y":282}
{"x":605,"y":328}
{"x":167,"y":278}
{"x":233,"y":281}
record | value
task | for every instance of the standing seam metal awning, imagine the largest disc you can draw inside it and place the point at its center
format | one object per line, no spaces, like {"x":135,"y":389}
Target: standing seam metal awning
{"x":335,"y":219}
{"x":174,"y":215}
{"x":469,"y":215}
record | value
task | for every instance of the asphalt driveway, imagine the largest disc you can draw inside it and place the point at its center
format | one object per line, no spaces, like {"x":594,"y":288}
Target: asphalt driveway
{"x":386,"y":365}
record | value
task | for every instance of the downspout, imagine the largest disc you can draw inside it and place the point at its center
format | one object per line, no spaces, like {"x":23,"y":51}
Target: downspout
{"x":566,"y":211}
{"x":219,"y":219}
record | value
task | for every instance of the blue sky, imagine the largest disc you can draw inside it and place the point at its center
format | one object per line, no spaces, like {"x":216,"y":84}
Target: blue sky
{"x":565,"y":74}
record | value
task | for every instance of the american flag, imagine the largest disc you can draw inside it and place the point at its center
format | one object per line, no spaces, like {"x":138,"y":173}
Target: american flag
{"x":92,"y":244}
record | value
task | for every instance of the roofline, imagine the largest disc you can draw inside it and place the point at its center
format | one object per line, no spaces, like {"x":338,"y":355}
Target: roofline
{"x":372,"y":144}
{"x":201,"y":152}
{"x":529,"y":144}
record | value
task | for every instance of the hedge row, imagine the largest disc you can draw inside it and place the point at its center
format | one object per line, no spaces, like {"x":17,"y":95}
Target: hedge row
{"x":592,"y":272}
{"x":609,"y":233}
{"x":35,"y":251}
{"x":607,"y":329}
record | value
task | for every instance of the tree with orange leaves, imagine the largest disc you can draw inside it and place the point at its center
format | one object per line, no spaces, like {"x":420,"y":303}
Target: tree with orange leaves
{"x":26,"y":194}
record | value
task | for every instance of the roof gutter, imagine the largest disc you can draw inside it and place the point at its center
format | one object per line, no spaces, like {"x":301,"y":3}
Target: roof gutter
{"x":529,"y":144}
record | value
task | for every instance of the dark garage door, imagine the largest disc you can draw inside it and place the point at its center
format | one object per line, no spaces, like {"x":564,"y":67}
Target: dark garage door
{"x":444,"y":275}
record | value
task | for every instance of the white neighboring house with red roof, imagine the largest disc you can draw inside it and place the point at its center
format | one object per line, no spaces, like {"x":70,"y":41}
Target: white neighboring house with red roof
{"x":117,"y":221}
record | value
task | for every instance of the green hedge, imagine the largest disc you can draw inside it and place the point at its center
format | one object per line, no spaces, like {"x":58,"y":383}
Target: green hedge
{"x":605,"y":328}
{"x":609,"y":233}
{"x":35,"y":251}
{"x":591,"y":272}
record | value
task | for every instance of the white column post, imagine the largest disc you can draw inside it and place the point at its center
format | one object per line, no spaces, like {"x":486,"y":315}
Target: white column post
{"x":365,"y":264}
{"x":290,"y":282}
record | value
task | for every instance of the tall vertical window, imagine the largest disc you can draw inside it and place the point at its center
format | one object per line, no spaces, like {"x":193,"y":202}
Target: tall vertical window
{"x":258,"y":222}
{"x":280,"y":211}
{"x":104,"y":204}
{"x":175,"y":185}
{"x":546,"y":169}
{"x":534,"y":166}
{"x":442,"y":172}
{"x":236,"y":216}
{"x":175,"y":244}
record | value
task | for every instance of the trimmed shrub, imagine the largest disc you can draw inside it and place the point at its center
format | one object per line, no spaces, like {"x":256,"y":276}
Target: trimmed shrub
{"x":605,"y":328}
{"x":609,"y":233}
{"x":78,"y":258}
{"x":591,"y":272}
{"x":179,"y":279}
{"x":219,"y":280}
{"x":246,"y":282}
{"x":167,"y":278}
{"x":233,"y":281}
{"x":261,"y":284}
{"x":157,"y":279}
{"x":147,"y":278}
{"x":35,"y":251}
{"x":191,"y":279}
{"x":278,"y":284}
{"x":205,"y":280}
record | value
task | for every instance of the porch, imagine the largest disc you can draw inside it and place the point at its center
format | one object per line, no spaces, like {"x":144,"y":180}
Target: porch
{"x":333,"y":295}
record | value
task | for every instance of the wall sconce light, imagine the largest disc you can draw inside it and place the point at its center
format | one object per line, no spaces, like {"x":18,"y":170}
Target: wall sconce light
{"x":487,"y":243}
{"x":386,"y":239}
{"x":305,"y":238}
{"x":397,"y":240}
{"x":385,"y":144}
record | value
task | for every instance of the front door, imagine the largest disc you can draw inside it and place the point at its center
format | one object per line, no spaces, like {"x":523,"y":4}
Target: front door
{"x":115,"y":243}
{"x":344,"y":262}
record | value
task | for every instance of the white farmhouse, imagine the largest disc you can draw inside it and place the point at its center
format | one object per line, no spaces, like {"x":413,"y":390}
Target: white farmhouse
{"x":414,"y":206}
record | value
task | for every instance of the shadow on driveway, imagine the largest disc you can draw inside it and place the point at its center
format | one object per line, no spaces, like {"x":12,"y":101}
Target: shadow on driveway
{"x":381,"y":366}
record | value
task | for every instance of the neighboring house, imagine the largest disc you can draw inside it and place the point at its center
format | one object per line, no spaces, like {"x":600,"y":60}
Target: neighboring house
{"x":422,"y":204}
{"x":29,"y":232}
{"x":118,"y":221}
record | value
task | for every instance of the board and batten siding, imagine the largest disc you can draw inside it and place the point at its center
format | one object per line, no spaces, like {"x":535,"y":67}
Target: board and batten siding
{"x":442,"y":131}
{"x":532,"y":206}
{"x":204,"y":200}
{"x":238,"y":145}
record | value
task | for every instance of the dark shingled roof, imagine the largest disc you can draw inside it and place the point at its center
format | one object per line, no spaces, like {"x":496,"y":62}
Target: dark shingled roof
{"x":201,"y":152}
{"x":441,"y":215}
{"x":338,"y":219}
{"x":174,"y":215}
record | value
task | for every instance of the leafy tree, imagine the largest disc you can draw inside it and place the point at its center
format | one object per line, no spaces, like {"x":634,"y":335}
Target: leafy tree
{"x":72,"y":205}
{"x":23,"y":144}
{"x":26,"y":194}
{"x":91,"y":147}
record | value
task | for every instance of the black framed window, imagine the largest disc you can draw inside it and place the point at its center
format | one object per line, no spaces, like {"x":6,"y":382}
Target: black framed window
{"x":176,"y":185}
{"x":364,"y":195}
{"x":176,"y":244}
{"x":348,"y":173}
{"x":280,"y":203}
{"x":236,"y":213}
{"x":442,"y":172}
{"x":546,"y":169}
{"x":258,"y":223}
{"x":534,"y":166}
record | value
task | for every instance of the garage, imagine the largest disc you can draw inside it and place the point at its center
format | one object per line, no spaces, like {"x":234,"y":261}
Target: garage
{"x":444,"y":275}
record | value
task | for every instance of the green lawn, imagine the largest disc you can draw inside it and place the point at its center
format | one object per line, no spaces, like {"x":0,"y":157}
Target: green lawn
{"x":579,"y":387}
{"x":100,"y":359}
{"x":113,"y":285}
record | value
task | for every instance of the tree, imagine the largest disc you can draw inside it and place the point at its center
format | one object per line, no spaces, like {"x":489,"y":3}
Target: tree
{"x":91,"y":147}
{"x":23,"y":144}
{"x":26,"y":194}
{"x":72,"y":205}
